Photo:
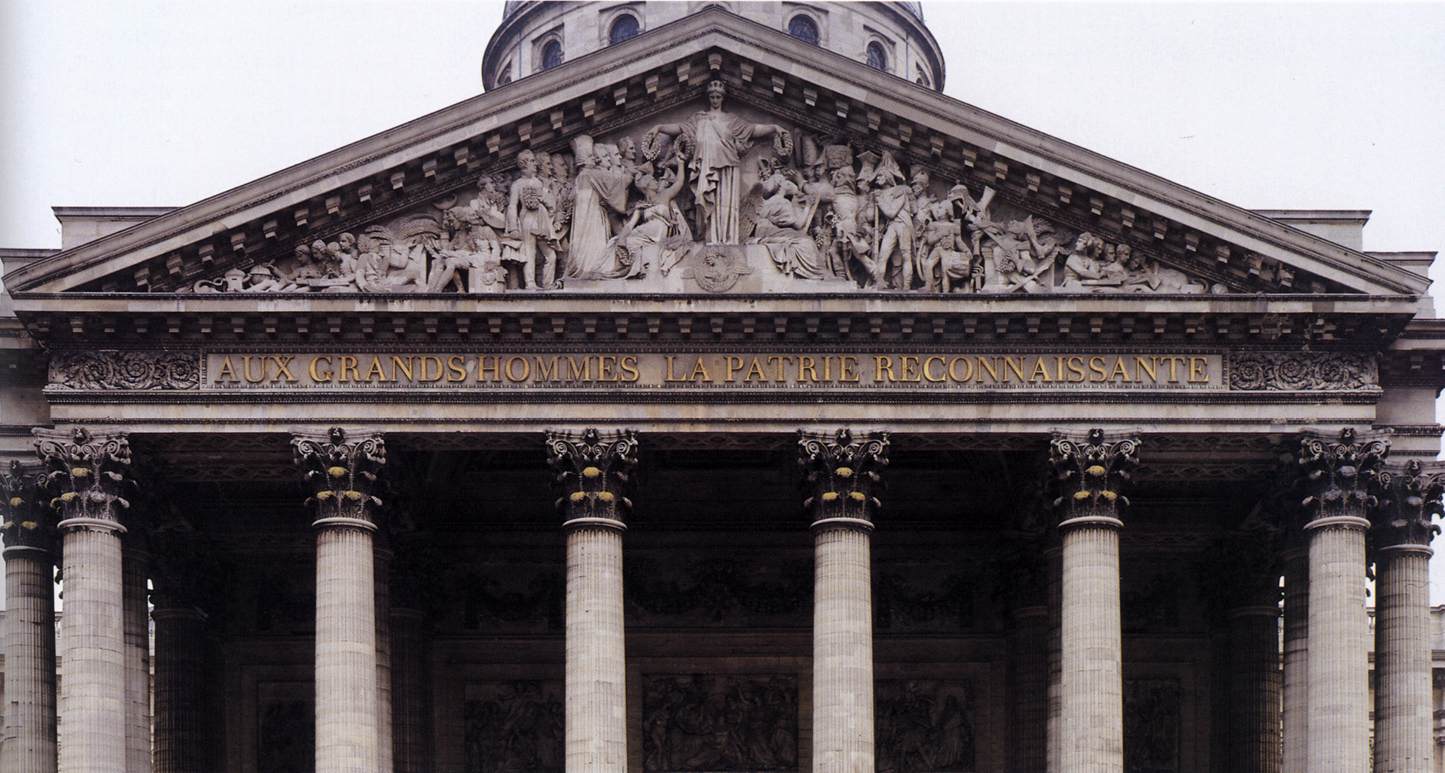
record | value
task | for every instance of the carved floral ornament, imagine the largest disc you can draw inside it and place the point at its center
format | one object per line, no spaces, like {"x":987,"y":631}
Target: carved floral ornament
{"x":1302,"y":371}
{"x":125,"y":369}
{"x":842,"y":475}
{"x":714,"y":202}
{"x":593,"y":472}
{"x":1338,"y":475}
{"x":26,"y":518}
{"x":1090,"y":474}
{"x":1407,"y":502}
{"x":342,"y":473}
{"x":87,"y":473}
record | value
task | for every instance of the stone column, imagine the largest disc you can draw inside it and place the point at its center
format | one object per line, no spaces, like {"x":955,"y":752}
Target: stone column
{"x":593,"y":476}
{"x":410,"y":707}
{"x":1336,"y":475}
{"x":1055,"y":568}
{"x":1295,"y":687}
{"x":1243,"y":575}
{"x":135,"y":571}
{"x":341,"y":473}
{"x":28,"y":526}
{"x":382,"y":579}
{"x":89,"y":473}
{"x":1090,"y":473}
{"x":180,"y":697}
{"x":843,"y":479}
{"x":1408,"y":499}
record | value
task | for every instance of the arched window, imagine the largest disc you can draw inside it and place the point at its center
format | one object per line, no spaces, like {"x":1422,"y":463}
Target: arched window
{"x":505,"y":75}
{"x":551,"y":54}
{"x":922,"y":77}
{"x":877,"y":57}
{"x":623,"y":27}
{"x":804,"y":29}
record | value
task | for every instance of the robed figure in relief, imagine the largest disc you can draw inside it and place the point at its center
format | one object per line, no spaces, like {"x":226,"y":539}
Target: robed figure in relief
{"x":716,"y":142}
{"x":601,"y":191}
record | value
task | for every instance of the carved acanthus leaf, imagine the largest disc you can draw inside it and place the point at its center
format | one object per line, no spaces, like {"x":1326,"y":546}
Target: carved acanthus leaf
{"x":1407,"y":502}
{"x":341,"y":472}
{"x":1338,"y":474}
{"x":842,"y":476}
{"x":26,"y":518}
{"x":1091,"y":473}
{"x":593,"y":472}
{"x":89,"y":474}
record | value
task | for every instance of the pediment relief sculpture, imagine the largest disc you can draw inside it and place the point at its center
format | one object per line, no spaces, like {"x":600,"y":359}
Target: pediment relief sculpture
{"x":715,"y":202}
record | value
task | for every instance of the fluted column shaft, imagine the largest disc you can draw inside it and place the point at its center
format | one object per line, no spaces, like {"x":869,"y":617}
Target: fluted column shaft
{"x":596,"y":719}
{"x":1055,"y":742}
{"x":29,"y":639}
{"x":180,"y":694}
{"x":1295,"y":686}
{"x":1254,"y":690}
{"x":1092,"y":687}
{"x":842,"y":648}
{"x":135,"y":561}
{"x":382,"y":596}
{"x":1338,"y":730}
{"x":1028,"y":726}
{"x":1403,"y":701}
{"x":346,"y":699}
{"x":410,"y":708}
{"x":92,"y":648}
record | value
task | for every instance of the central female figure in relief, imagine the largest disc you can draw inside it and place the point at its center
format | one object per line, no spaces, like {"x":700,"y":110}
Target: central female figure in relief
{"x":715,"y":142}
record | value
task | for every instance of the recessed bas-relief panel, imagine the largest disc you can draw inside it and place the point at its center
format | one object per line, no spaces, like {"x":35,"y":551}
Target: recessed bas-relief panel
{"x":720,"y":723}
{"x":926,"y":726}
{"x":514,"y":727}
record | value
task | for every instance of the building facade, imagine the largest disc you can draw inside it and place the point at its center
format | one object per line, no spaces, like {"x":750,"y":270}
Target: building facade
{"x":716,"y":395}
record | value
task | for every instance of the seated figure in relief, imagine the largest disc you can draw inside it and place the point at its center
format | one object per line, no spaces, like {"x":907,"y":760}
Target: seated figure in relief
{"x":1090,"y":266}
{"x":656,"y":235}
{"x":1149,"y":276}
{"x":782,"y":221}
{"x":1022,"y":255}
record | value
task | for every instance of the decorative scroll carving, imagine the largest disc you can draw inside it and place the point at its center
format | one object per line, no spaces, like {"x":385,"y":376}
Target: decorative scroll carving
{"x":1338,"y":475}
{"x":89,"y":472}
{"x":120,"y":369}
{"x":1091,"y":474}
{"x":512,"y":727}
{"x":842,"y":476}
{"x":720,"y":723}
{"x":926,"y":726}
{"x":1152,"y":720}
{"x":342,"y":473}
{"x":800,"y":213}
{"x":1407,"y":504}
{"x":26,"y":518}
{"x":718,"y":592}
{"x":1301,"y":371}
{"x":593,"y":472}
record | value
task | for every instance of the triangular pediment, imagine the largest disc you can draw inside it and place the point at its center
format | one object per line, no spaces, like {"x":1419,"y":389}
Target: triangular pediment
{"x":811,"y":184}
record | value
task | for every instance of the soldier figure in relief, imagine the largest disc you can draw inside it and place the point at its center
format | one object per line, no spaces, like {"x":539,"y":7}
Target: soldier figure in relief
{"x":529,"y":220}
{"x":894,"y":262}
{"x":716,"y":141}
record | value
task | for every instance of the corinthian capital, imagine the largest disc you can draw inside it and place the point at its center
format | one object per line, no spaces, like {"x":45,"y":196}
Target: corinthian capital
{"x":27,"y":521}
{"x":1091,"y":474}
{"x":1337,"y":475}
{"x":342,"y":473}
{"x":1407,"y":501}
{"x":88,"y":474}
{"x":843,"y":476}
{"x":593,"y":474}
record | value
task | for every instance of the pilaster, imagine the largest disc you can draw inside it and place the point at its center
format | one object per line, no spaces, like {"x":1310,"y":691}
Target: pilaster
{"x":341,"y":472}
{"x":89,"y":474}
{"x":1337,"y":475}
{"x":1090,"y":473}
{"x":1408,"y":499}
{"x":27,"y":524}
{"x":593,"y":476}
{"x":842,"y":477}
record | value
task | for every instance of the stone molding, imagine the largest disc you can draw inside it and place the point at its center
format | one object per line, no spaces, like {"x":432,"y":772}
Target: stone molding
{"x":593,"y":475}
{"x":1090,"y":474}
{"x":1302,"y":371}
{"x":90,"y":472}
{"x":1407,"y":500}
{"x":843,"y":476}
{"x":342,"y":474}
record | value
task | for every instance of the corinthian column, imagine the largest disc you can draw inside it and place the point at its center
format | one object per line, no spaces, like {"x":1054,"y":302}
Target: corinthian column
{"x":342,"y":474}
{"x":1336,"y":476}
{"x":843,"y":481}
{"x":593,"y":477}
{"x":1408,"y":501}
{"x":1090,"y":474}
{"x":28,"y":526}
{"x":89,"y":473}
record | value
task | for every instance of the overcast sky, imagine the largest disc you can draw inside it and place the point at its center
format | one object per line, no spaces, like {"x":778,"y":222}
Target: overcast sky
{"x":152,"y":102}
